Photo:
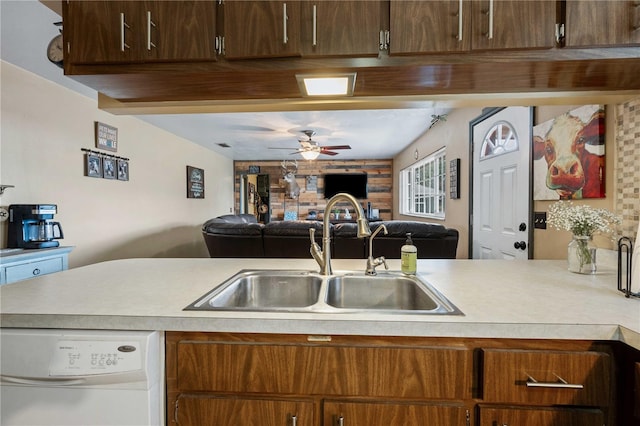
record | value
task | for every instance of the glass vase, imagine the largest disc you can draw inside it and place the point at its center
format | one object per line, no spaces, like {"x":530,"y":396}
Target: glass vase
{"x":581,"y":255}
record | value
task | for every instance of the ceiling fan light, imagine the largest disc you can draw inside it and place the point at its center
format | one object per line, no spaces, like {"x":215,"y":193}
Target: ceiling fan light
{"x":310,"y":155}
{"x":327,"y":85}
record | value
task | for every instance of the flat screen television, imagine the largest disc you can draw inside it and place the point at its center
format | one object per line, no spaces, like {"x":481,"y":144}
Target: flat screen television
{"x":351,"y":183}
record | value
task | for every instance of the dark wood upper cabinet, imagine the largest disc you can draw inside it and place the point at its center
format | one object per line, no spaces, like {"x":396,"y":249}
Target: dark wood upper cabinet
{"x":499,"y":24}
{"x":455,"y":25}
{"x":139,"y":31}
{"x":261,"y":29}
{"x":602,"y":23}
{"x":430,"y":27}
{"x":341,"y":28}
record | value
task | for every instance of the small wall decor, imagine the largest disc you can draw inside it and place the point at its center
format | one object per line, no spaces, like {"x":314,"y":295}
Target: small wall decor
{"x":569,"y":155}
{"x":93,"y":165}
{"x":106,"y":137}
{"x":101,"y":165}
{"x":312,"y":183}
{"x":195,"y":182}
{"x":123,"y":169}
{"x":254,"y":170}
{"x":109,"y":167}
{"x":454,"y":180}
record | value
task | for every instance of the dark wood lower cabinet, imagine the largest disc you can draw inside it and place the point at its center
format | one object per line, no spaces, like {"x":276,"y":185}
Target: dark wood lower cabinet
{"x":300,"y":380}
{"x":540,"y":416}
{"x":336,"y":413}
{"x":211,"y":410}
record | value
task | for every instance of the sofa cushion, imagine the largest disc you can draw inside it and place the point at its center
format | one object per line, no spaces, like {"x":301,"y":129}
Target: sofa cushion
{"x":399,"y":228}
{"x":298,"y":228}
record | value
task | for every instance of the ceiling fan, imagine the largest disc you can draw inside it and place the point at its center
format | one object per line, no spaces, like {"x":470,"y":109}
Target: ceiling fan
{"x":310,"y":149}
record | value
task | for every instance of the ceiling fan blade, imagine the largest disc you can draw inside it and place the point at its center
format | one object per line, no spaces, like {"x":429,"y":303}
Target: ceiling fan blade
{"x":336,"y":147}
{"x":251,"y":128}
{"x":323,"y":151}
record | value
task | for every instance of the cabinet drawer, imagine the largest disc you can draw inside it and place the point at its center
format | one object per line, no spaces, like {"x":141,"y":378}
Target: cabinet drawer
{"x":198,"y":410}
{"x":540,"y":416}
{"x":541,"y":377}
{"x":33,"y":269}
{"x":404,"y":372}
{"x":384,"y":413}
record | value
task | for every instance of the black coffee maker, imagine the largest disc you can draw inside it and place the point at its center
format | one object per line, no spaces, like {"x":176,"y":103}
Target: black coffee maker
{"x":31,"y":226}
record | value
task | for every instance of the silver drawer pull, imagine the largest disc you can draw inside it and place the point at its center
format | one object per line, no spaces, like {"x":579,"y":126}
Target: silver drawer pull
{"x":560,"y":384}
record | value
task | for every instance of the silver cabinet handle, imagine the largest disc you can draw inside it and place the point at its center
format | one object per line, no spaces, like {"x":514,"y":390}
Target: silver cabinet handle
{"x":294,"y":420}
{"x":460,"y":20}
{"x":490,"y":36}
{"x":315,"y":25}
{"x":285,"y":39}
{"x":150,"y":24}
{"x":340,"y":421}
{"x":560,"y":384}
{"x":123,"y":25}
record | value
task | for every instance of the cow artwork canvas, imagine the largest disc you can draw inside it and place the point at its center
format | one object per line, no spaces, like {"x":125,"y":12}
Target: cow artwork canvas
{"x":569,"y":155}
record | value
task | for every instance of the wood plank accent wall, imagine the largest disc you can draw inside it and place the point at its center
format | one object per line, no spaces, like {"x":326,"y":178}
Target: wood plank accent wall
{"x":380,"y":185}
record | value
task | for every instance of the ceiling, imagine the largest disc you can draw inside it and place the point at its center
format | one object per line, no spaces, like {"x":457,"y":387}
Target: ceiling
{"x":27,"y":27}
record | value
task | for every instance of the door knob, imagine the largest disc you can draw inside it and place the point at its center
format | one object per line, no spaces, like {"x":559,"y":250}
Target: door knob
{"x":520,"y":245}
{"x":522,"y":227}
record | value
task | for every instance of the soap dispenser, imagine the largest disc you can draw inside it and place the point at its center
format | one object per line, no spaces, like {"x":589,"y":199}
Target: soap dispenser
{"x":408,"y":256}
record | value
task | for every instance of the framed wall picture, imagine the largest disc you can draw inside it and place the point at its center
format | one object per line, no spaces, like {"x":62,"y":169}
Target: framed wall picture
{"x":569,"y":155}
{"x":123,"y":169}
{"x":93,"y":165}
{"x":109,"y":168}
{"x":106,"y":137}
{"x":195,"y":182}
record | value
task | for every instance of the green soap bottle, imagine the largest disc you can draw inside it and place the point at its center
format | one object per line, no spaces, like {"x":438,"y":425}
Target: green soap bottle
{"x":408,"y":256}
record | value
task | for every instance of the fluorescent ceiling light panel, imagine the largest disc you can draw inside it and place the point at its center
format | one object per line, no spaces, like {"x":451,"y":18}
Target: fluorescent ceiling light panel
{"x":327,"y":85}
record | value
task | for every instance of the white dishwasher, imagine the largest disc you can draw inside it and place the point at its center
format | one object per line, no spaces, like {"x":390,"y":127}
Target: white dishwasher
{"x":81,"y":377}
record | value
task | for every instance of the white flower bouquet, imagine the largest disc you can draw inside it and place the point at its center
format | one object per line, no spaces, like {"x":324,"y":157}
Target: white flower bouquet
{"x":582,"y":221}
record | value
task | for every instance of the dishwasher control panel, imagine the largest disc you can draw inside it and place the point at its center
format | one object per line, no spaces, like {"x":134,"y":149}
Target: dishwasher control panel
{"x":87,"y":357}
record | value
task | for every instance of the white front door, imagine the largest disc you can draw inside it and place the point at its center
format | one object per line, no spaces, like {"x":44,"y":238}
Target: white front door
{"x":501,"y":184}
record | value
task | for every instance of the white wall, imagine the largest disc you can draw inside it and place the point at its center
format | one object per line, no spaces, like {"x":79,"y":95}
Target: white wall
{"x":44,"y":127}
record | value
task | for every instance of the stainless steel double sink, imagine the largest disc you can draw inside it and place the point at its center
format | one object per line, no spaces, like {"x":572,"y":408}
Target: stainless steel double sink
{"x":343,"y":292}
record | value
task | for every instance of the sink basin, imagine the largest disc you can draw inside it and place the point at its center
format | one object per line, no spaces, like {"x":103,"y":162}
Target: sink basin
{"x":343,"y":292}
{"x":386,"y":292}
{"x":263,"y":290}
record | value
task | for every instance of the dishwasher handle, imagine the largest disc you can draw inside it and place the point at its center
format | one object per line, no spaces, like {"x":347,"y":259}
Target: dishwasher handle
{"x":4,"y":379}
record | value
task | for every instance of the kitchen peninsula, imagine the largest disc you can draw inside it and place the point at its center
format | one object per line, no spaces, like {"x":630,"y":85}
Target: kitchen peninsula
{"x":511,"y":301}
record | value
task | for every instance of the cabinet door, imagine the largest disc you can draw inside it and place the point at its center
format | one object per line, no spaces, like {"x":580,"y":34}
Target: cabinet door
{"x":178,"y":30}
{"x":385,"y":413}
{"x":201,"y":410}
{"x":430,"y":27}
{"x":602,"y":23}
{"x":341,"y":28}
{"x":261,"y":29}
{"x":499,"y":24}
{"x":99,"y":31}
{"x":540,"y":416}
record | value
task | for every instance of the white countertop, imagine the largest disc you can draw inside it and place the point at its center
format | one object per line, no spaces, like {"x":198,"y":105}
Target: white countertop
{"x":536,"y":299}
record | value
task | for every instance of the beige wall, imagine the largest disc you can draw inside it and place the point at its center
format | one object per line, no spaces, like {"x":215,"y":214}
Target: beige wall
{"x":454,"y":134}
{"x":44,"y":127}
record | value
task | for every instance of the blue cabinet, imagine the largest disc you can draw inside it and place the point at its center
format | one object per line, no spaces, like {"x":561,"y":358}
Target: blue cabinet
{"x":21,"y":264}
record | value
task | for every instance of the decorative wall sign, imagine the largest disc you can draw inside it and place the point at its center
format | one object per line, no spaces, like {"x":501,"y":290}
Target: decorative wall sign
{"x":195,"y":182}
{"x":93,"y":165}
{"x":106,"y":137}
{"x":312,"y":183}
{"x":454,"y":180}
{"x":569,"y":155}
{"x":254,"y":170}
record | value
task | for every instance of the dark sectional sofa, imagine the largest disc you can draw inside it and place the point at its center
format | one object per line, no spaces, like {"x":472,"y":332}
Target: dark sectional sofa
{"x":241,"y":236}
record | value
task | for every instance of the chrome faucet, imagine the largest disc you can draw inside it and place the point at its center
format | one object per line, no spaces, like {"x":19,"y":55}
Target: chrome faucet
{"x":323,"y":256}
{"x":371,"y":262}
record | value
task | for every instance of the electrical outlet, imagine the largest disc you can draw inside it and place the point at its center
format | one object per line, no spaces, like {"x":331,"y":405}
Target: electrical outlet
{"x":540,"y":220}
